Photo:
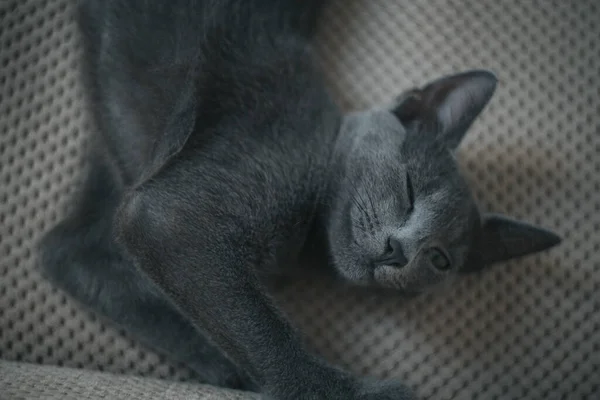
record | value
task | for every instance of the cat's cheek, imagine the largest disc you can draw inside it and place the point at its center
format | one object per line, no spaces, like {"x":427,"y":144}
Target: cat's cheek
{"x":344,"y":262}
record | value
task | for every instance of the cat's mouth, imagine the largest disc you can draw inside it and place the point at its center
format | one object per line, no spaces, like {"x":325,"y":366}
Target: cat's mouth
{"x":416,"y":275}
{"x":390,"y":263}
{"x":390,"y":276}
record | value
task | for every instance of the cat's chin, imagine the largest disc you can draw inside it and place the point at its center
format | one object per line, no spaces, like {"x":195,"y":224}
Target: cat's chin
{"x":375,"y":288}
{"x":364,"y":279}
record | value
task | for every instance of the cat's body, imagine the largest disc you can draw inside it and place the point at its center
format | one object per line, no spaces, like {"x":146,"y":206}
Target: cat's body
{"x":222,"y":158}
{"x":262,"y":127}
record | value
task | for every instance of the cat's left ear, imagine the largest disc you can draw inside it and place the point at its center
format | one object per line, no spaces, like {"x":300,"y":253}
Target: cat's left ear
{"x":504,"y":238}
{"x":452,"y":103}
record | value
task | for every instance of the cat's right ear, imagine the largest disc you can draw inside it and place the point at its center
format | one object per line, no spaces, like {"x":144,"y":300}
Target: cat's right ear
{"x":449,"y":104}
{"x":503,"y":238}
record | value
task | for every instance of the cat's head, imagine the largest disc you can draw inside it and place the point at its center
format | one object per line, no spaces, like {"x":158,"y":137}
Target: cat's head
{"x":403,"y":216}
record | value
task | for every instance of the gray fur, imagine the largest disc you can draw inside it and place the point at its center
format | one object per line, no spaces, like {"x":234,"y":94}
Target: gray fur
{"x":222,"y":159}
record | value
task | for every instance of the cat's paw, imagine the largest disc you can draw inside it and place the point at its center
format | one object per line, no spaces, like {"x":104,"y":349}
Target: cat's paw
{"x":384,"y":390}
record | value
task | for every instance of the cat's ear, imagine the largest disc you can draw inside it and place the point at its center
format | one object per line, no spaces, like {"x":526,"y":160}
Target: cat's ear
{"x":503,"y":238}
{"x":452,"y":103}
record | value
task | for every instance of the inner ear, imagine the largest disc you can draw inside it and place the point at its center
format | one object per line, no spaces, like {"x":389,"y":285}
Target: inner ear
{"x":408,"y":106}
{"x":450,"y":103}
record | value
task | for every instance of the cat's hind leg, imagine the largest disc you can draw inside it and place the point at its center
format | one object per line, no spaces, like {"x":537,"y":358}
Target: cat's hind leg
{"x":80,"y":256}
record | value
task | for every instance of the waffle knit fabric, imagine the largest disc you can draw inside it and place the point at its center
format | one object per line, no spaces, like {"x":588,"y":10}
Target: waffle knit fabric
{"x":528,"y":329}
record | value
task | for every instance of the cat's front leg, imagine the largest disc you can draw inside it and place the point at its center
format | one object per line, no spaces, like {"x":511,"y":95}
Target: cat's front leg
{"x":210,"y":277}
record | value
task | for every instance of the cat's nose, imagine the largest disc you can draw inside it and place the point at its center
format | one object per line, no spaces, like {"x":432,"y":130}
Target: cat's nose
{"x":394,"y":254}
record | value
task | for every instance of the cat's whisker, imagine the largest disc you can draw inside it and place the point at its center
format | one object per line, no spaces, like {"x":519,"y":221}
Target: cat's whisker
{"x":373,"y":210}
{"x":360,"y":202}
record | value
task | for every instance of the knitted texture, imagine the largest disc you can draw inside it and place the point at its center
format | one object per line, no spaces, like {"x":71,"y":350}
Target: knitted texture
{"x":528,"y":329}
{"x":22,"y":381}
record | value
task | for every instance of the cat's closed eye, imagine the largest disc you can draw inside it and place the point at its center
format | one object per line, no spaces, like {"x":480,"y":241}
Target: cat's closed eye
{"x":410,"y":193}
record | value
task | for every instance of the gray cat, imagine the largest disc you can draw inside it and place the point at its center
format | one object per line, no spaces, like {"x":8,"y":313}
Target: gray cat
{"x":222,"y":159}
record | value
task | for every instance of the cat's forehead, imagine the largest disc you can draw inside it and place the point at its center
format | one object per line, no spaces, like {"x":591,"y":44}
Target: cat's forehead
{"x":372,"y":142}
{"x":380,"y":131}
{"x":375,"y":124}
